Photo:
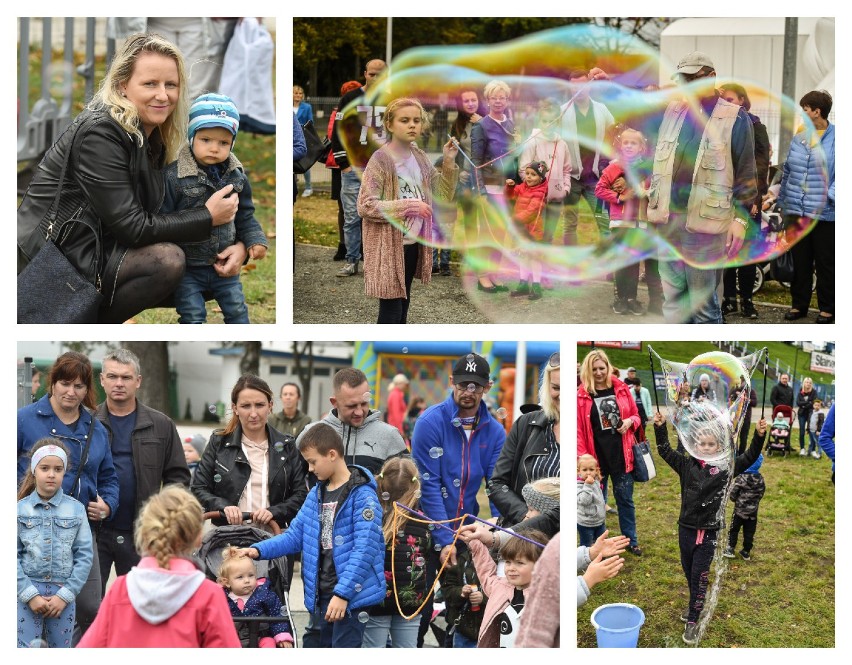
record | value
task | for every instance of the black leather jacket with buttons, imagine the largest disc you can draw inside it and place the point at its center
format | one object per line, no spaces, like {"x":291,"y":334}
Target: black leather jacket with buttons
{"x":224,"y":471}
{"x":112,"y":184}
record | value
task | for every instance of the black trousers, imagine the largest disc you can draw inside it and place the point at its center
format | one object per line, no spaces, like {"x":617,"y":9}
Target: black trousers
{"x":748,"y":527}
{"x":813,"y":252}
{"x":395,"y":310}
{"x":695,"y":559}
{"x":741,"y":448}
{"x":115,"y":546}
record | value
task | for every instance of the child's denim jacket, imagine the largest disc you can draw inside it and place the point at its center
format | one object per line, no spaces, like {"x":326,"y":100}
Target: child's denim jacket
{"x":54,"y":545}
{"x":188,"y":186}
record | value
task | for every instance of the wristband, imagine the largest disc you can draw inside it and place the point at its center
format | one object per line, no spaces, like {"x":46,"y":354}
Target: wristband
{"x":741,"y":222}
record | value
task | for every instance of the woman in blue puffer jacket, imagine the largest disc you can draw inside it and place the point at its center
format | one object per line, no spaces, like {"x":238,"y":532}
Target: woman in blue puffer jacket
{"x":807,"y":193}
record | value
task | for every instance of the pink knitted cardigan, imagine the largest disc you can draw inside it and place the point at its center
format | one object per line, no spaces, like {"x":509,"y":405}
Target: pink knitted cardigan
{"x":379,"y":201}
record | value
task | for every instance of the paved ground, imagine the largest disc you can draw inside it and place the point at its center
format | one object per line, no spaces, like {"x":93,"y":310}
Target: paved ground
{"x":321,"y":297}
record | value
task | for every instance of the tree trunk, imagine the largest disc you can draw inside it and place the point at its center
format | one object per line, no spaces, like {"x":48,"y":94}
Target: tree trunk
{"x":250,"y":363}
{"x":154,"y":365}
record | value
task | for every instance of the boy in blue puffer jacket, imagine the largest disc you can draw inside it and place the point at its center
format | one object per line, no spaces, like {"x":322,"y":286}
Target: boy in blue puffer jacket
{"x":338,"y":530}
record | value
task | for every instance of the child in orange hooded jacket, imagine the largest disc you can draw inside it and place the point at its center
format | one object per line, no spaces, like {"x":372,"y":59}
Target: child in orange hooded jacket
{"x":530,"y":198}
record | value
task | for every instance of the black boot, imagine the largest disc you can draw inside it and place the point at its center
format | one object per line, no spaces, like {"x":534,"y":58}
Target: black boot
{"x":747,"y":309}
{"x":729,"y":306}
{"x":341,"y":252}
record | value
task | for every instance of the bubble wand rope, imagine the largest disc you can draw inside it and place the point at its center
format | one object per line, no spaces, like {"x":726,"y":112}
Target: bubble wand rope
{"x":396,"y":515}
{"x":765,"y":368}
{"x":465,"y":516}
{"x":653,"y":382}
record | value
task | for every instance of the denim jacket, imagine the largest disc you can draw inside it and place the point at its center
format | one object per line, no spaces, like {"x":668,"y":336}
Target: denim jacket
{"x":188,"y":186}
{"x":54,"y":545}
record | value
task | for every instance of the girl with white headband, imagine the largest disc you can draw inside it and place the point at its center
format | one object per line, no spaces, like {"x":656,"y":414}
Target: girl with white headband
{"x":54,"y":550}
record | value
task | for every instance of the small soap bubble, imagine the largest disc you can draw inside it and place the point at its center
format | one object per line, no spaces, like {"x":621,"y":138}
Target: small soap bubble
{"x":367,"y":397}
{"x":470,"y":357}
{"x":338,"y":540}
{"x":279,"y":446}
{"x":426,"y":475}
{"x":431,"y":526}
{"x":363,"y":617}
{"x":408,"y":569}
{"x":436,"y":452}
{"x":405,"y":349}
{"x":400,"y":534}
{"x":358,"y":588}
{"x":505,"y":489}
{"x":386,"y":496}
{"x":471,"y":387}
{"x":456,"y":482}
{"x":38,"y":643}
{"x":417,"y":494}
{"x":437,"y":547}
{"x":501,"y":413}
{"x":217,"y":478}
{"x":120,"y":540}
{"x":456,"y":422}
{"x":419,"y":561}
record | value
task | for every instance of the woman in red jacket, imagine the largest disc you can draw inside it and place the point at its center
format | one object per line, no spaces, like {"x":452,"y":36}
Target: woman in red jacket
{"x":607,"y":417}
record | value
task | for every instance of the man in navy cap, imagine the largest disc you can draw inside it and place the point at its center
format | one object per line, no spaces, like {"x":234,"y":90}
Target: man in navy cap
{"x":456,"y":444}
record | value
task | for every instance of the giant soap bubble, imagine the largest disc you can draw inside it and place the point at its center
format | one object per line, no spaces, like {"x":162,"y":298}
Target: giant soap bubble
{"x":541,"y":71}
{"x":708,"y":417}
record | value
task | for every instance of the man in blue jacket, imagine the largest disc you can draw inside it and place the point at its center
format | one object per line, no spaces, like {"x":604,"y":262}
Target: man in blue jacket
{"x":456,"y":444}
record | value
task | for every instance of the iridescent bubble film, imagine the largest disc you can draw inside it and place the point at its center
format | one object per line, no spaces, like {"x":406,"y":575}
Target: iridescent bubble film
{"x":543,"y":72}
{"x":697,"y":394}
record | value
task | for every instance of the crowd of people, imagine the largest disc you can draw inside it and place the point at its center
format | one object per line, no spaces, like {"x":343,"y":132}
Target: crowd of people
{"x":707,"y":455}
{"x":647,"y":179}
{"x":380,"y":521}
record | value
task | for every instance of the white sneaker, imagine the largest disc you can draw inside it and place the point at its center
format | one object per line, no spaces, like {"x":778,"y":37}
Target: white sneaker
{"x":815,"y":455}
{"x":803,"y":453}
{"x":307,"y":193}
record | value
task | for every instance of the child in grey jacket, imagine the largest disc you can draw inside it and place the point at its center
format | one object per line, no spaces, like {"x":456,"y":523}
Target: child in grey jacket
{"x":591,"y":506}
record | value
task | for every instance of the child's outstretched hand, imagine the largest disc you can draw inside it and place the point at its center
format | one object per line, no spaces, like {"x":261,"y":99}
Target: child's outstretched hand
{"x":250,"y":552}
{"x":510,"y":182}
{"x":607,"y":547}
{"x":761,"y":426}
{"x":257,"y":252}
{"x":602,"y":569}
{"x":659,"y":419}
{"x":451,"y":149}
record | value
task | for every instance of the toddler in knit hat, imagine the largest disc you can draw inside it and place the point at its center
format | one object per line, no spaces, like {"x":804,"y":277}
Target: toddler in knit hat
{"x":206,"y":164}
{"x":541,"y":495}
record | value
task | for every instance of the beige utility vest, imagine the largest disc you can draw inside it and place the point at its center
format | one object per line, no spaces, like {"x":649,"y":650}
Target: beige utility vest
{"x":710,"y":208}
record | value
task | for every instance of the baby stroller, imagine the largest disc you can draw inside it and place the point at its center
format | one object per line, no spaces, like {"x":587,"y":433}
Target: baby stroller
{"x":779,"y":431}
{"x":275,"y":570}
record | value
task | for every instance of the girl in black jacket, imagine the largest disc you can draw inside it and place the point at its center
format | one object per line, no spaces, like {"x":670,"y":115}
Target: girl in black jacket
{"x":702,"y":487}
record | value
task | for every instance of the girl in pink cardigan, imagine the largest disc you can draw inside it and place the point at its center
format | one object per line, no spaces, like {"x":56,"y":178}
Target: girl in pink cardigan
{"x":395,"y":204}
{"x":506,"y":595}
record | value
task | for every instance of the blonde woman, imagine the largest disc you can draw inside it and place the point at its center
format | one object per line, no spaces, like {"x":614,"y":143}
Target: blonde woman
{"x":805,"y":402}
{"x":531,"y":452}
{"x":114,"y":152}
{"x":607,"y":417}
{"x":395,"y":204}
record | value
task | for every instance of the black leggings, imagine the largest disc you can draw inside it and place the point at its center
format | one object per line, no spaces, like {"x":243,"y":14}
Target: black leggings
{"x":146,"y":276}
{"x":395,"y":310}
{"x":749,"y":527}
{"x":695,"y":558}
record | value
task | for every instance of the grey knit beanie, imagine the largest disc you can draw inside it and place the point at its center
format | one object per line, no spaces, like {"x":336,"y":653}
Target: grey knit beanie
{"x":537,"y":500}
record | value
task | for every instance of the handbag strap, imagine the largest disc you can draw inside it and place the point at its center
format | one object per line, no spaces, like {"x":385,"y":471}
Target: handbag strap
{"x":84,"y":456}
{"x":53,"y":210}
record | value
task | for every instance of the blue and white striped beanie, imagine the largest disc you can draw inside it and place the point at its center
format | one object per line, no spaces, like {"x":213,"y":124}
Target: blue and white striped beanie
{"x":212,"y":110}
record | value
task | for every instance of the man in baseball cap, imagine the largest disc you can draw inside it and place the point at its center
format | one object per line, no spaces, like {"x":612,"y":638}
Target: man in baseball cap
{"x":704,"y":185}
{"x":456,"y":444}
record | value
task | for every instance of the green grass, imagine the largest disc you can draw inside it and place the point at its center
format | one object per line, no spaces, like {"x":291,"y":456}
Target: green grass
{"x":783,"y":597}
{"x":257,"y":154}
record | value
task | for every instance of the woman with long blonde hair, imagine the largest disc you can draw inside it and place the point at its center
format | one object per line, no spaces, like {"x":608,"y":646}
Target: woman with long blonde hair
{"x":607,"y":419}
{"x":102,"y":179}
{"x":805,"y":404}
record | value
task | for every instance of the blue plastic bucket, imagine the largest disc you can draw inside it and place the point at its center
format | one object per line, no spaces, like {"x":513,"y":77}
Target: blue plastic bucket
{"x":617,"y":625}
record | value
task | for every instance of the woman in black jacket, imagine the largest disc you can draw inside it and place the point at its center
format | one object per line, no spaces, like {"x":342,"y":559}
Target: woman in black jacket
{"x":531,"y":452}
{"x":805,"y":403}
{"x":111,"y":158}
{"x":249,"y":467}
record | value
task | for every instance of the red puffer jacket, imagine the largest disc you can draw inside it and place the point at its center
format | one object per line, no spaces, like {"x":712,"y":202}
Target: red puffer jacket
{"x":627,"y":410}
{"x":529,"y":201}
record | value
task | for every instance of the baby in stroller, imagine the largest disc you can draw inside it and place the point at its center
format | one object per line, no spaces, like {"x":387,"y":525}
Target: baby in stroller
{"x":779,"y":432}
{"x":250,"y":596}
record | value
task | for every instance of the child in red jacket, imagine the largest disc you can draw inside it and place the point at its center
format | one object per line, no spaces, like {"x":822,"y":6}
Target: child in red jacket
{"x":530,"y":198}
{"x":623,"y":186}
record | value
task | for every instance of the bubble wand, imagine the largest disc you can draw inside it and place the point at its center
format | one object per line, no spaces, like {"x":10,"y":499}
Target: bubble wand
{"x":653,"y":381}
{"x":765,"y":369}
{"x":474,"y":517}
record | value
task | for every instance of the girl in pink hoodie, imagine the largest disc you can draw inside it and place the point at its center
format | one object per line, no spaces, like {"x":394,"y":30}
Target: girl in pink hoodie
{"x":165,"y":601}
